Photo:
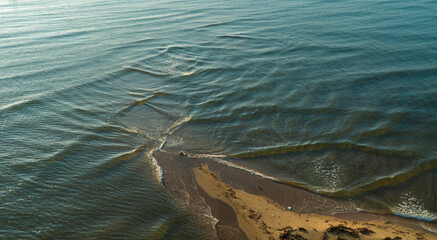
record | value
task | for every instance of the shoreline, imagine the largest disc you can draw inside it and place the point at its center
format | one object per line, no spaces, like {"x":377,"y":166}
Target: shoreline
{"x":247,"y":206}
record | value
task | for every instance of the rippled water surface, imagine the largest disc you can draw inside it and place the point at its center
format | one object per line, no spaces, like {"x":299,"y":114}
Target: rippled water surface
{"x":338,"y":97}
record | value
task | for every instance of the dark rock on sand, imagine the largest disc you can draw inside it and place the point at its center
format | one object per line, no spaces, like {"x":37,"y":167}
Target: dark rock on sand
{"x":290,"y":234}
{"x":342,"y":230}
{"x":365,"y":231}
{"x":254,"y":215}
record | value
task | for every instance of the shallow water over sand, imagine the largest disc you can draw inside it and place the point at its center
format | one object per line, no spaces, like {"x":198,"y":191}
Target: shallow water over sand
{"x":336,"y":97}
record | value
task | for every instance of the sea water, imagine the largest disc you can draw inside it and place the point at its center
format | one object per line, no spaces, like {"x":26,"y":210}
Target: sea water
{"x":338,"y":97}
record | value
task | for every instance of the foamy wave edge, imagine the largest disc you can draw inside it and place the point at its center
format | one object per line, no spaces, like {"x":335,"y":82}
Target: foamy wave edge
{"x":254,"y":172}
{"x":219,"y":158}
{"x":158,"y":169}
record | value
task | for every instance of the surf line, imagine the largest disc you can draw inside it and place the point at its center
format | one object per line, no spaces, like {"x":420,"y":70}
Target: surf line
{"x":163,"y":139}
{"x":217,"y":158}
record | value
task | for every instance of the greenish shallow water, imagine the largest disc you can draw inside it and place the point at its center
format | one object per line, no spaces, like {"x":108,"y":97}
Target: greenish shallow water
{"x":338,"y":97}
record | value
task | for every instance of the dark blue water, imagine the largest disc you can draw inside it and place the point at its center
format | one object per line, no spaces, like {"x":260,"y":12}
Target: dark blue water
{"x":337,"y":97}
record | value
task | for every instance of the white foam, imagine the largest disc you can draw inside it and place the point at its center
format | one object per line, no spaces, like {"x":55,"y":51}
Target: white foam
{"x":429,"y":227}
{"x":202,"y":155}
{"x":134,"y":130}
{"x":158,"y":170}
{"x":177,"y":124}
{"x":187,"y":73}
{"x":254,"y":172}
{"x":13,"y":104}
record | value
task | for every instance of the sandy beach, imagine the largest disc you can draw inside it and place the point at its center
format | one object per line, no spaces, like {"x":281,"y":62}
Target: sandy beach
{"x":261,"y":218}
{"x":247,"y":206}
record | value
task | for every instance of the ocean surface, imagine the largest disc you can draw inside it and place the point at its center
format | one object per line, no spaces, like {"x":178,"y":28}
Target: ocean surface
{"x":338,"y":97}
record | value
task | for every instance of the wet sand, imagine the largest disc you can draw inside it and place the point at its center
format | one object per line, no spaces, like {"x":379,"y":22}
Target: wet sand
{"x":247,"y":206}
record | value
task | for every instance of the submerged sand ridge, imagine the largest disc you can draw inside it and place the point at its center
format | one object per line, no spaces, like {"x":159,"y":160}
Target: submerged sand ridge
{"x":250,"y":207}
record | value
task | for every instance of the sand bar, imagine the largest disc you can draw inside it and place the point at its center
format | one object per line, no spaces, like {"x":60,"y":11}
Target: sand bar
{"x":250,"y":207}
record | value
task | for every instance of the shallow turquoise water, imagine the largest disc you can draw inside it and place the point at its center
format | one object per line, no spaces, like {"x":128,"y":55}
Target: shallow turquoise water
{"x":334,"y":96}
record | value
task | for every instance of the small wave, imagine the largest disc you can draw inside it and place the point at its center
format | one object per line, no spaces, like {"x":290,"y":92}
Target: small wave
{"x":221,"y":23}
{"x":128,"y":155}
{"x":56,"y":35}
{"x":396,"y":73}
{"x":130,"y":44}
{"x":52,"y":157}
{"x":110,"y":127}
{"x":135,"y":130}
{"x":150,"y":73}
{"x":237,"y":37}
{"x":114,"y":161}
{"x":137,"y":103}
{"x":178,"y":123}
{"x":215,"y":24}
{"x":391,"y":180}
{"x":277,"y":150}
{"x":170,"y":70}
{"x":188,"y":73}
{"x":179,"y":48}
{"x":11,"y":105}
{"x":141,"y":102}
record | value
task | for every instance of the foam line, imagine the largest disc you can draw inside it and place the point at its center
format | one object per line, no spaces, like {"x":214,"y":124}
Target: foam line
{"x":227,"y":163}
{"x":158,"y":170}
